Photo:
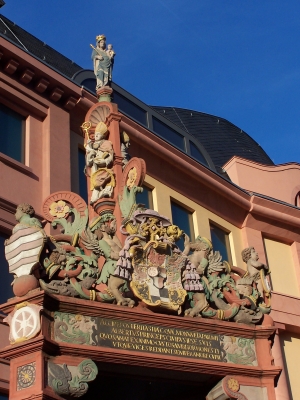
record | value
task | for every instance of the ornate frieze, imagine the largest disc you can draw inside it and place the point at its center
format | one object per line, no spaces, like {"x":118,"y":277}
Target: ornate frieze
{"x":133,"y":336}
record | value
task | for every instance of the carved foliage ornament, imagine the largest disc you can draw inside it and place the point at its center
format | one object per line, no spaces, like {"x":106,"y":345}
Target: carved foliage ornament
{"x":71,"y":381}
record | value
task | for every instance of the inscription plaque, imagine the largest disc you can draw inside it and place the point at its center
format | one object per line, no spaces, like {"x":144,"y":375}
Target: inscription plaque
{"x":134,"y":336}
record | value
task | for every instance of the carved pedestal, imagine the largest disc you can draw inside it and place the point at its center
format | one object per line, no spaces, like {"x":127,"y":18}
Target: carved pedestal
{"x":104,"y":94}
{"x":76,"y":336}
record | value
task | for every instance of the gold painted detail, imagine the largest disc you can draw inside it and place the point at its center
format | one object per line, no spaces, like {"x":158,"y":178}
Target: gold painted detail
{"x":141,"y":290}
{"x":104,"y":176}
{"x":59,"y":209}
{"x":233,"y":385}
{"x":131,"y":178}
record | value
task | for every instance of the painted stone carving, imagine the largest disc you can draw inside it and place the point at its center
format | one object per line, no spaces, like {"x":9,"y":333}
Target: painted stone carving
{"x":103,"y":60}
{"x":239,"y":350}
{"x":151,"y":261}
{"x":87,"y":259}
{"x":132,"y":179}
{"x":125,"y":143}
{"x":24,"y":322}
{"x":101,"y":239}
{"x":26,"y":375}
{"x":227,"y":388}
{"x":71,"y":381}
{"x":99,"y":157}
{"x":23,"y":248}
{"x":258,"y":273}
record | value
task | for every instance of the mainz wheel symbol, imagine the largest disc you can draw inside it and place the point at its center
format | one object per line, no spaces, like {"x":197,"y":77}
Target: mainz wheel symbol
{"x":24,"y":323}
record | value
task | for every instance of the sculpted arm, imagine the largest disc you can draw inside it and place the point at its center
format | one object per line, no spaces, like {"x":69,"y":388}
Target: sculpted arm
{"x":258,"y":264}
{"x":187,"y":245}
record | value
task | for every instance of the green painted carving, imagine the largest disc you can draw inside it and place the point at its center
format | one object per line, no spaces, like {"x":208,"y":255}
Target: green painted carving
{"x":70,"y":381}
{"x":239,"y":350}
{"x":71,"y":228}
{"x":127,"y":201}
{"x":71,"y":328}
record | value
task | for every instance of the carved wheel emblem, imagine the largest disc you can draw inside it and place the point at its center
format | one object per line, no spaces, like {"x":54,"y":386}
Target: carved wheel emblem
{"x":24,"y":323}
{"x":26,"y":376}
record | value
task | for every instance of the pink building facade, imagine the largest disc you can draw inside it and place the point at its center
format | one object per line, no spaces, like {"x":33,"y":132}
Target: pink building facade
{"x":248,"y":204}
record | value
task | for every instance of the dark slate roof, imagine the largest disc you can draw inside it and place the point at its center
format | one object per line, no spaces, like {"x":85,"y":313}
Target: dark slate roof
{"x":37,"y":48}
{"x":221,"y":138}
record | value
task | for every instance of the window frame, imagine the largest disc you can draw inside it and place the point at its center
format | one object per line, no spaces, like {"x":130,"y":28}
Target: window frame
{"x":227,"y":240}
{"x":190,"y":213}
{"x":17,"y":110}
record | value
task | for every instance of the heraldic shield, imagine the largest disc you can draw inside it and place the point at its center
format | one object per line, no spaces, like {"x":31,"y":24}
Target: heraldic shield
{"x":156,"y":279}
{"x":23,"y":249}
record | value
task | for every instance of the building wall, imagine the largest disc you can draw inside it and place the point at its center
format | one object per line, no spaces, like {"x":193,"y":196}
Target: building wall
{"x":290,"y":343}
{"x":281,"y":264}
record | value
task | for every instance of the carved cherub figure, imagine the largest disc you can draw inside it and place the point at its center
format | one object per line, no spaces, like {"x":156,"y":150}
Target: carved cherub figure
{"x":111,"y":54}
{"x":110,"y":51}
{"x":250,"y":257}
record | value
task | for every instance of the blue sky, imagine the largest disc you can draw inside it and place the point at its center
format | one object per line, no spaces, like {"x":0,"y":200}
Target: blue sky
{"x":237,"y":59}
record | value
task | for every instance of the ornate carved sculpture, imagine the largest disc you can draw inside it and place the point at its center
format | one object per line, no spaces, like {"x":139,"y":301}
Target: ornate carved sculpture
{"x":102,"y":60}
{"x":125,"y":143}
{"x":227,"y":388}
{"x":151,"y":261}
{"x":258,"y":272}
{"x":23,"y":249}
{"x":24,"y":322}
{"x":71,"y":381}
{"x":101,"y":239}
{"x":99,"y":156}
{"x":87,"y":259}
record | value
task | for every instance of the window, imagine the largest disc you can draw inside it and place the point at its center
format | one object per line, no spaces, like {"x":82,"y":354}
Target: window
{"x":220,"y":242}
{"x":12,"y":129}
{"x":145,"y":197}
{"x":6,"y":278}
{"x":130,"y":108}
{"x":182,"y":218}
{"x":81,"y":175}
{"x":196,"y":153}
{"x":168,"y":133}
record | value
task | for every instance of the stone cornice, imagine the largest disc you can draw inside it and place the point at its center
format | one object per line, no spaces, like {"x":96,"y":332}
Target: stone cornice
{"x":41,"y":78}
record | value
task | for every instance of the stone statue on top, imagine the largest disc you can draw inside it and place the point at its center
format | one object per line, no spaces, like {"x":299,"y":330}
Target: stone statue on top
{"x":103,"y":61}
